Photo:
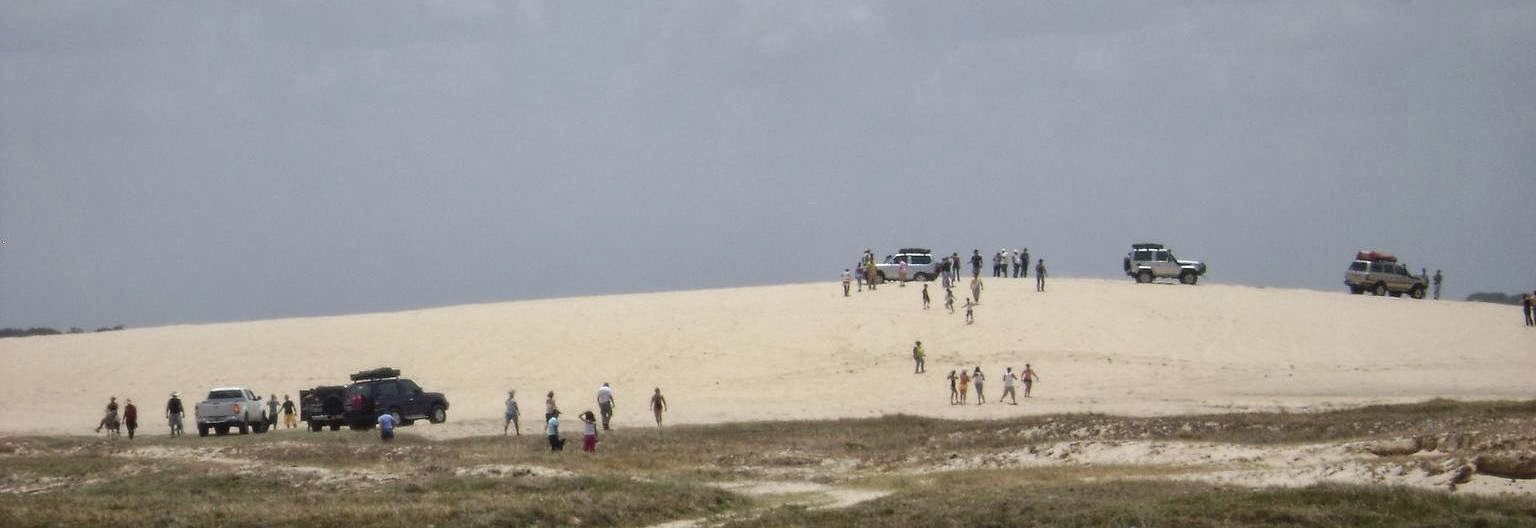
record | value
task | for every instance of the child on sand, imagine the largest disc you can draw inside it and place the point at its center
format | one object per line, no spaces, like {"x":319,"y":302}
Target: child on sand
{"x":552,"y":430}
{"x":925,"y":296}
{"x":965,"y":385}
{"x":588,"y":432}
{"x":549,"y":405}
{"x":970,"y":314}
{"x":949,"y":299}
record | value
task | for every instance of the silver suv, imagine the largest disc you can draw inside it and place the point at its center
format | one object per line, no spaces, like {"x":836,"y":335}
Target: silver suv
{"x":1382,"y":274}
{"x":1151,"y":261}
{"x":920,"y":265}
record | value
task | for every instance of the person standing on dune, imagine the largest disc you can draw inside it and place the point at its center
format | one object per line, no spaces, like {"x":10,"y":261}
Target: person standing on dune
{"x":549,"y":405}
{"x":1040,"y":276}
{"x":1029,"y":377}
{"x":949,"y":299}
{"x":1526,"y":305}
{"x":975,"y":263}
{"x":173,"y":413}
{"x":978,"y":379}
{"x":511,"y":415}
{"x":976,"y":289}
{"x":970,"y":314}
{"x":130,"y":417}
{"x":918,"y":365}
{"x":1008,"y":379}
{"x":658,"y":405}
{"x":605,"y":403}
{"x":925,"y":296}
{"x":272,"y":412}
{"x":1438,"y":279}
{"x":847,"y":278}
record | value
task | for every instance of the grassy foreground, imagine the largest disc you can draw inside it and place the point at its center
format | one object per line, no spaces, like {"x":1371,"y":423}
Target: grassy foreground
{"x":902,"y":469}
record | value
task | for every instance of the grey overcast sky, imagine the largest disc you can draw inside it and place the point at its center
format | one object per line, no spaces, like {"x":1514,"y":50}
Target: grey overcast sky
{"x":171,"y":162}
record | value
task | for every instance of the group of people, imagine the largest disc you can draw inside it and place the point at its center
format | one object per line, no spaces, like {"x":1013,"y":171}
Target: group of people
{"x":961,"y":380}
{"x":175,"y":413}
{"x":605,"y":405}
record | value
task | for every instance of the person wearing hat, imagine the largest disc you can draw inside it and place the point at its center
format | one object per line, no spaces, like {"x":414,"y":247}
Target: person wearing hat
{"x":173,"y":413}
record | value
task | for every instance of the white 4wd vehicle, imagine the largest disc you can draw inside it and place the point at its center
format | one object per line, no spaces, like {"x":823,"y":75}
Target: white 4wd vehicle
{"x":1150,"y":261}
{"x":1382,"y":274}
{"x":920,"y":265}
{"x":227,"y":407}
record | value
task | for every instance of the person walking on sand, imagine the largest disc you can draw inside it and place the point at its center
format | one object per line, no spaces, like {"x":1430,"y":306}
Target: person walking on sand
{"x":918,"y":365}
{"x":387,"y":424}
{"x":552,"y":430}
{"x":901,"y":272}
{"x":1526,"y":301}
{"x":1040,"y":276}
{"x":1438,"y":279}
{"x":589,"y":432}
{"x":130,"y":417}
{"x":1029,"y":377}
{"x":869,"y":273}
{"x":975,"y":263}
{"x":954,"y":391}
{"x":658,"y":405}
{"x":925,"y":296}
{"x":605,"y":403}
{"x":272,"y":412}
{"x":1016,"y":263}
{"x":847,"y":280}
{"x":549,"y":405}
{"x":1024,"y":262}
{"x":976,"y":289}
{"x":109,"y":419}
{"x":979,"y":379}
{"x":1008,"y":379}
{"x":511,"y":415}
{"x":949,"y":299}
{"x":970,"y":313}
{"x":173,"y":413}
{"x":965,"y":386}
{"x":290,"y":414}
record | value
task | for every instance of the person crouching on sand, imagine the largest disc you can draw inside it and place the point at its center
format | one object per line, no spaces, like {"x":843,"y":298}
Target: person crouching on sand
{"x":386,"y":427}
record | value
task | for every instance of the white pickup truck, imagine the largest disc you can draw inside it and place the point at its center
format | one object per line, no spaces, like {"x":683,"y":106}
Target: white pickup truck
{"x":227,"y":407}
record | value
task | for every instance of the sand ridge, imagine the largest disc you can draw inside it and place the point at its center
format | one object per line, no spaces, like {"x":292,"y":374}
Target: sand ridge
{"x":804,"y":351}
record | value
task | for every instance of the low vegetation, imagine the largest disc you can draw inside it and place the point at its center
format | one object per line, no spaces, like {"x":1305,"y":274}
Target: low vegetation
{"x":890,"y":471}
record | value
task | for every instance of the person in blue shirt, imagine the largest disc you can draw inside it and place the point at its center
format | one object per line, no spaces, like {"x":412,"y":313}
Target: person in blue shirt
{"x":552,"y":428}
{"x":386,"y":427}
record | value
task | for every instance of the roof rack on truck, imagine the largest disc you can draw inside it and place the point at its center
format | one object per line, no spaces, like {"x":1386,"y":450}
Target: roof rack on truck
{"x":1374,"y":256}
{"x":1147,"y":245}
{"x":376,"y":374}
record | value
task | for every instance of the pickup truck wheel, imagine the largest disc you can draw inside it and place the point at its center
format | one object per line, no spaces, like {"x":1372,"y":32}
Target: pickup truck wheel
{"x":1144,"y":277}
{"x":1356,"y":290}
{"x":244,"y":429}
{"x":202,"y":430}
{"x":1380,"y":289}
{"x":334,"y":427}
{"x":1417,"y":292}
{"x":439,"y":415}
{"x":1188,"y":277}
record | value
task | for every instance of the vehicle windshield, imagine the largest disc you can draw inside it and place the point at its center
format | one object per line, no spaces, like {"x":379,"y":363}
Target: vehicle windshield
{"x":225,"y":395}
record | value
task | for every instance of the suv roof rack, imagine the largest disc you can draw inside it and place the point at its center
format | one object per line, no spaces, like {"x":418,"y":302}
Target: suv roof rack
{"x":376,"y":374}
{"x":1147,"y":245}
{"x":913,"y":250}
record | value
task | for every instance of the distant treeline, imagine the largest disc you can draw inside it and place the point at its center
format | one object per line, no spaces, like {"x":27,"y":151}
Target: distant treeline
{"x":40,"y":331}
{"x":1495,"y":297}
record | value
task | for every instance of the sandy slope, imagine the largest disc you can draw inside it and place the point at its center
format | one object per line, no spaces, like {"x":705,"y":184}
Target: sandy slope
{"x":804,"y":351}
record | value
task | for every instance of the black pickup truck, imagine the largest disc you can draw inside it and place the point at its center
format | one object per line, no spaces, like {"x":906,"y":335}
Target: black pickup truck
{"x":323,"y":406}
{"x":381,"y":390}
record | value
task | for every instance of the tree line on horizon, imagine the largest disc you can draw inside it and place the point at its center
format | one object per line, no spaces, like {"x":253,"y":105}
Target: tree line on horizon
{"x":45,"y":331}
{"x":1495,"y":297}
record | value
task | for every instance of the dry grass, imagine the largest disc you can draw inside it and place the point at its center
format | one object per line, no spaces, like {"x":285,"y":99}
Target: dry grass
{"x":644,"y":476}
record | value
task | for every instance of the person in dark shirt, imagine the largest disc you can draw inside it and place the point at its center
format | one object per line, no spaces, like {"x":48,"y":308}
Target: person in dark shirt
{"x":1039,"y":280}
{"x":109,"y":420}
{"x":289,"y":420}
{"x":1525,"y":304}
{"x":975,"y":263}
{"x":173,"y":413}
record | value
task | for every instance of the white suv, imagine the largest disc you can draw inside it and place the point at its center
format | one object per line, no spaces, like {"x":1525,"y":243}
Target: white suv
{"x":1150,"y":261}
{"x":1382,"y":274}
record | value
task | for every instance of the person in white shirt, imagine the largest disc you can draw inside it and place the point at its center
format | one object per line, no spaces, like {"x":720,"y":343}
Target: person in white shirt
{"x":1008,"y":379}
{"x":605,"y":403}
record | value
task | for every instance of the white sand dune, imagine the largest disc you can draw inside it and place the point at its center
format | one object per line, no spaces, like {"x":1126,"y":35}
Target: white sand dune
{"x":804,"y":351}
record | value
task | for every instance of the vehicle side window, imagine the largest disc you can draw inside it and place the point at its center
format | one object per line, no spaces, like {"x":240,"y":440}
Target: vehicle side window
{"x":1358,"y":266}
{"x":408,"y":387}
{"x":922,"y":259}
{"x":1160,"y":256}
{"x":384,"y":389}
